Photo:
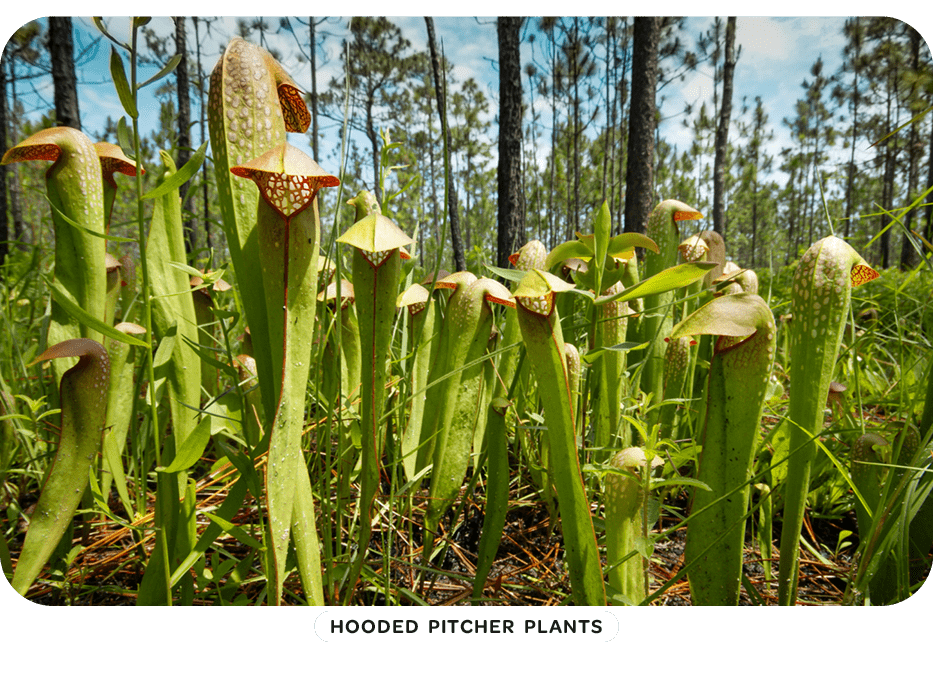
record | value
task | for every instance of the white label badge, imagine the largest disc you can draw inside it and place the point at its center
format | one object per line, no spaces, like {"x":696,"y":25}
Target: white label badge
{"x":466,"y":626}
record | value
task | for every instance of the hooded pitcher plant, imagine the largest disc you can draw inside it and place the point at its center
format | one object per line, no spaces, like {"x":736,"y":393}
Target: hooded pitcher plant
{"x":75,"y":191}
{"x":469,"y":324}
{"x":432,"y":425}
{"x":377,"y":266}
{"x":544,"y":340}
{"x":658,"y":318}
{"x":625,"y":495}
{"x":289,"y":234}
{"x":738,"y":380}
{"x":533,"y":255}
{"x":112,"y":161}
{"x":820,"y":301}
{"x":252,"y":103}
{"x":424,"y":323}
{"x":83,"y":393}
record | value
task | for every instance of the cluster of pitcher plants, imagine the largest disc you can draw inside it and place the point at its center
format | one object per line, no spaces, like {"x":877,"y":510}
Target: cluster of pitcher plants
{"x":348,"y":394}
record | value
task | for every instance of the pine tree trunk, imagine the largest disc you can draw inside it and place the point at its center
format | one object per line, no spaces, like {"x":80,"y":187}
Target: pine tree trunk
{"x":722,"y":132}
{"x":4,"y":225}
{"x":61,"y":52}
{"x":909,"y":258}
{"x":511,"y":203}
{"x":13,"y":182}
{"x":452,"y":209}
{"x":184,"y":127}
{"x":313,"y":51}
{"x":206,"y":216}
{"x":639,"y":178}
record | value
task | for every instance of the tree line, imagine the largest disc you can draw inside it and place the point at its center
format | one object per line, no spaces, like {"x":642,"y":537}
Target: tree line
{"x":577,"y":123}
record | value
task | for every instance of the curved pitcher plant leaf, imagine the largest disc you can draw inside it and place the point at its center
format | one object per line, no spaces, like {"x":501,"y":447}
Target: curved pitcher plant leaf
{"x":252,"y":103}
{"x":75,"y":191}
{"x":119,"y":410}
{"x":544,"y":340}
{"x":431,"y":426}
{"x":112,"y":161}
{"x":289,"y":235}
{"x":820,"y":302}
{"x":377,"y":267}
{"x":624,"y":496}
{"x":469,"y":321}
{"x":424,"y":322}
{"x":83,"y":393}
{"x":497,"y":493}
{"x":677,"y":369}
{"x":656,"y":325}
{"x":738,"y":381}
{"x":533,"y":255}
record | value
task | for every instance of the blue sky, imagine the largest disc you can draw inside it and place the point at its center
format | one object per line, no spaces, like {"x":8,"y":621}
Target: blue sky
{"x":776,"y":55}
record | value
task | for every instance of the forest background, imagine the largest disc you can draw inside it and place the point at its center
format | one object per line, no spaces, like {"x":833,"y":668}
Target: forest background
{"x":807,"y":98}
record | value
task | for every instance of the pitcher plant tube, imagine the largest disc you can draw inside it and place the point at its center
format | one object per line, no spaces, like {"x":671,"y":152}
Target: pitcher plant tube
{"x":657,"y":318}
{"x":289,"y":236}
{"x":83,"y":393}
{"x":544,"y":340}
{"x":821,"y":295}
{"x":252,"y":102}
{"x":74,"y":189}
{"x":738,"y":379}
{"x":377,"y":263}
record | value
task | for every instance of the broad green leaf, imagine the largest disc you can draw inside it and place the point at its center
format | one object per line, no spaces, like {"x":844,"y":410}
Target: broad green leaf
{"x":510,"y":275}
{"x":185,"y":267}
{"x":74,"y":310}
{"x":622,"y":244}
{"x":680,"y":482}
{"x":666,"y":280}
{"x":124,"y":136}
{"x":83,"y":393}
{"x":118,"y":74}
{"x":235,"y":531}
{"x":192,"y":449}
{"x":568,"y":250}
{"x":596,"y":353}
{"x":165,"y":71}
{"x":178,"y":179}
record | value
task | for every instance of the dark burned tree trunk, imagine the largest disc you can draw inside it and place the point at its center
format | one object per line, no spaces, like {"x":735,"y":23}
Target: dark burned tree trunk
{"x":61,"y":51}
{"x":639,"y":178}
{"x":511,"y":202}
{"x":452,"y":209}
{"x":314,"y":98}
{"x":4,"y":225}
{"x":722,"y":132}
{"x":184,"y":126}
{"x":14,"y":185}
{"x":909,"y":258}
{"x":206,"y":217}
